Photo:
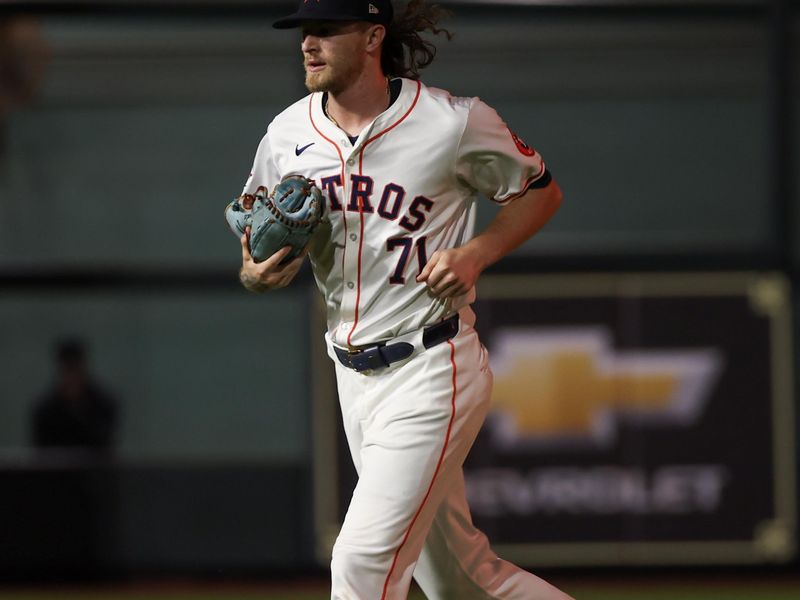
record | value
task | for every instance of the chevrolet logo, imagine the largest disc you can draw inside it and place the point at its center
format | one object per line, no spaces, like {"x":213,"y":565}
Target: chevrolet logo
{"x":569,"y":386}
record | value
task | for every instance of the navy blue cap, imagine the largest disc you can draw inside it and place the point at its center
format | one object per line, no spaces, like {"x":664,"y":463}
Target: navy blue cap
{"x":373,"y":11}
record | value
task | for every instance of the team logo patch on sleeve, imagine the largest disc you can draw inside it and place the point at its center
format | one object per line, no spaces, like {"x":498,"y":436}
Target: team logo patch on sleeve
{"x":522,"y":146}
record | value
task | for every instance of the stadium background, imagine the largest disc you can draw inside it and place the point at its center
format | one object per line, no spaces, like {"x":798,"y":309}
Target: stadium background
{"x":671,"y":126}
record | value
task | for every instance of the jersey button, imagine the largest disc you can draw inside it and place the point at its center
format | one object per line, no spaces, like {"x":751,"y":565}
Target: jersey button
{"x":353,"y":237}
{"x":351,"y":285}
{"x":351,"y":161}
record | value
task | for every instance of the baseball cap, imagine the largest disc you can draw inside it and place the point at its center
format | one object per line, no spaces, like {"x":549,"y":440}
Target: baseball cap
{"x":374,"y":11}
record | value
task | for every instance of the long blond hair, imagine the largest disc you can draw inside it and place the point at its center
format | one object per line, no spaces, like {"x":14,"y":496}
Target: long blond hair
{"x":405,"y":52}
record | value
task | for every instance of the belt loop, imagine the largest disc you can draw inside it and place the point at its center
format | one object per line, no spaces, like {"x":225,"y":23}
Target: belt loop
{"x":441,"y":332}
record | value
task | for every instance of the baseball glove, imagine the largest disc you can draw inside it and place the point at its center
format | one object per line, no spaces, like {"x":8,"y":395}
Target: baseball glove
{"x":287,"y":217}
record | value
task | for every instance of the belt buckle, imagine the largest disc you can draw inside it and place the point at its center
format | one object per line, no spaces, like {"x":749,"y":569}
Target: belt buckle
{"x":363,"y":358}
{"x":351,"y":354}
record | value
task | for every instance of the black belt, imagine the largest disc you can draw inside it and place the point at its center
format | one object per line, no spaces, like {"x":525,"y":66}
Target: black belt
{"x":367,"y":358}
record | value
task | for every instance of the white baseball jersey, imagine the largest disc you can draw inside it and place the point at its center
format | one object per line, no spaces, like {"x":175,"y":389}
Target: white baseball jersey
{"x":406,"y":188}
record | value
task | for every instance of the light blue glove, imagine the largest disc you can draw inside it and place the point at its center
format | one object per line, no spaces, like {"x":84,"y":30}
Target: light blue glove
{"x":286,"y":218}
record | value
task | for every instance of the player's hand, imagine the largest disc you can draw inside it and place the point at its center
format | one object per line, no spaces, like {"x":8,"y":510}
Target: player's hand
{"x":451,"y":272}
{"x":269,"y":274}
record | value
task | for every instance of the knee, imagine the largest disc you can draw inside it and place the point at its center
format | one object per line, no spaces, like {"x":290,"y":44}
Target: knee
{"x":356,"y":563}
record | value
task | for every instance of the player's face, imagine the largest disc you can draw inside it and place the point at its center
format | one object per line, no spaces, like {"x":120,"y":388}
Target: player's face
{"x":333,"y":54}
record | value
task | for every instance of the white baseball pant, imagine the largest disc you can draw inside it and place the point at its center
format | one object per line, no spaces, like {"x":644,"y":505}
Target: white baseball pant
{"x":409,"y":428}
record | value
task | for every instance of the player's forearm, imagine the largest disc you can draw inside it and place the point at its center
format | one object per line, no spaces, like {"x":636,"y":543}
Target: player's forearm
{"x":515,"y":223}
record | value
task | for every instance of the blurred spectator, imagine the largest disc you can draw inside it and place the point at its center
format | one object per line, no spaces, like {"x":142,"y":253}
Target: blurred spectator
{"x":76,"y":412}
{"x":23,"y":55}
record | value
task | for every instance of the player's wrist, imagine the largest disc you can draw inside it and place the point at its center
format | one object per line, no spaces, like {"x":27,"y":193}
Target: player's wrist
{"x":251,"y":283}
{"x":479,"y":253}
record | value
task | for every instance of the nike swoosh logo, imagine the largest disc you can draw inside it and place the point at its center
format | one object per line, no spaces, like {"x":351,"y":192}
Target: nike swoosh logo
{"x":298,"y":150}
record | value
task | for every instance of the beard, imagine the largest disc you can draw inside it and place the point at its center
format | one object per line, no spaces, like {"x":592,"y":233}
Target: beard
{"x":337,"y":75}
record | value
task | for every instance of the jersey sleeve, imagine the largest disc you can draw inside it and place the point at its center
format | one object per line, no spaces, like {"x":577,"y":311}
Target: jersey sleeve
{"x":494,"y":160}
{"x":264,"y":171}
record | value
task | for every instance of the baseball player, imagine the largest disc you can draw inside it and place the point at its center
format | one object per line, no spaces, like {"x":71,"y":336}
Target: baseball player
{"x":401,"y":167}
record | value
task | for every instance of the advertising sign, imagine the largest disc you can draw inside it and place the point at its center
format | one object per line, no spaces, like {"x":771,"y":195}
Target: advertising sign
{"x":636,"y":419}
